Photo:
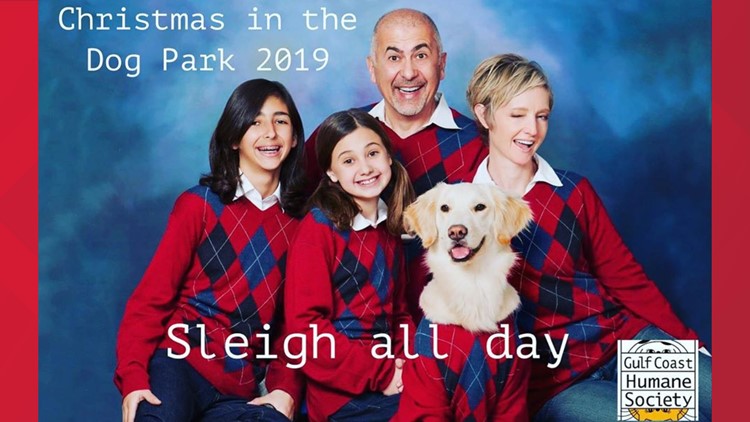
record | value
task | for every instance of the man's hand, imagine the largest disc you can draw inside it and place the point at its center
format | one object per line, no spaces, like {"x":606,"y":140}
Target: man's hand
{"x":130,"y":403}
{"x":280,"y":400}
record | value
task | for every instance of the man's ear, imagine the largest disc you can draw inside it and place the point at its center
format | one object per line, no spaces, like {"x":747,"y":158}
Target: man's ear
{"x":371,"y":68}
{"x":443,"y":61}
{"x":419,"y":217}
{"x":512,"y":215}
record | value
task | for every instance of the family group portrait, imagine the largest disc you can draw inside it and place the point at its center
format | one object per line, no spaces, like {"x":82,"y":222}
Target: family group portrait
{"x":375,"y":211}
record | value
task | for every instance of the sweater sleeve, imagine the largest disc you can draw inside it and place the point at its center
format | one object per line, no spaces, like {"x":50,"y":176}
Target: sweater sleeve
{"x":621,"y":275}
{"x":424,"y":397}
{"x":153,"y":301}
{"x":309,"y":303}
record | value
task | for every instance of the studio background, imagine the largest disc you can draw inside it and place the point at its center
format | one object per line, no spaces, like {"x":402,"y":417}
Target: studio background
{"x":632,"y":113}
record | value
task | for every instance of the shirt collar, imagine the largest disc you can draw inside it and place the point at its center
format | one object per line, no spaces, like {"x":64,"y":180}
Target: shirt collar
{"x":246,"y":189}
{"x":442,"y":116}
{"x":544,"y":173}
{"x":361,"y":223}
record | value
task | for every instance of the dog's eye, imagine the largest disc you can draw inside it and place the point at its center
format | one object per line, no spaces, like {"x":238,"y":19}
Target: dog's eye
{"x":445,"y":208}
{"x":480,"y":207}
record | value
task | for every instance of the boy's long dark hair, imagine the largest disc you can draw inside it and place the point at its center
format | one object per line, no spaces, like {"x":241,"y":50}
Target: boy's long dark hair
{"x":241,"y":109}
{"x":331,"y":198}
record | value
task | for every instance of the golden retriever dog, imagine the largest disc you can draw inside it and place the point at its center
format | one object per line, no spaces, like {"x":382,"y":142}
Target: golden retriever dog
{"x":464,"y":368}
{"x":466,"y":229}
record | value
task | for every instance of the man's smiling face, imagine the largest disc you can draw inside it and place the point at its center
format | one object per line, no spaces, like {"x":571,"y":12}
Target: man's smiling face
{"x":407,"y":66}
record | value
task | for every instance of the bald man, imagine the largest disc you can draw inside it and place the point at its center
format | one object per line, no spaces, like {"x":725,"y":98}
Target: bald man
{"x":433,"y":141}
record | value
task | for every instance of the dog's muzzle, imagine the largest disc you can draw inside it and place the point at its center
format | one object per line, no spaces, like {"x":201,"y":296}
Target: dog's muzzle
{"x":463,"y":253}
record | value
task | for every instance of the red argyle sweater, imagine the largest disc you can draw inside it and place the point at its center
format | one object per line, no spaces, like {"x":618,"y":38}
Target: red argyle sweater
{"x":430,"y":156}
{"x":577,"y":277}
{"x":221,"y":266}
{"x":347,"y":284}
{"x":468,"y":384}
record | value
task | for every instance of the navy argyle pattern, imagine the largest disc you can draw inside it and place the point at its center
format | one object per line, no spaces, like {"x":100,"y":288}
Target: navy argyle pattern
{"x":559,"y":294}
{"x":235,"y":285}
{"x":363,"y":279}
{"x":473,"y":381}
{"x":440,"y":155}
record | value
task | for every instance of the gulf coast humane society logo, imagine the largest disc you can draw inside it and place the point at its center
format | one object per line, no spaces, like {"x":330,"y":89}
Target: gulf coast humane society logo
{"x":658,"y":380}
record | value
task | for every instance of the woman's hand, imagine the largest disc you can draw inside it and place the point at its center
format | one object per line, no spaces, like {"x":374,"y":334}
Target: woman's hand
{"x":130,"y":403}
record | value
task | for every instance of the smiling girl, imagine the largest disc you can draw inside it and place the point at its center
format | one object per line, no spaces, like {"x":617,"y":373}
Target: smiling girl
{"x":345,"y":271}
{"x":218,"y":271}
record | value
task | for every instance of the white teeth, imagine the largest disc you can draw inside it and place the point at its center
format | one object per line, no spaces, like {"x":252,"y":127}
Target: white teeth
{"x":367,"y":182}
{"x":412,"y":89}
{"x":525,"y":143}
{"x":269,"y":149}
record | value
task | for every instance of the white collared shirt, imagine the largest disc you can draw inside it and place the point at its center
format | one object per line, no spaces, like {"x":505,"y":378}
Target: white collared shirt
{"x":442,"y":116}
{"x":246,"y":189}
{"x":360,"y":222}
{"x":544,"y":173}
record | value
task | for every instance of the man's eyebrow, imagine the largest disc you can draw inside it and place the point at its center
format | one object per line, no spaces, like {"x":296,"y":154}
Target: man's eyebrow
{"x":416,"y":48}
{"x":421,"y":46}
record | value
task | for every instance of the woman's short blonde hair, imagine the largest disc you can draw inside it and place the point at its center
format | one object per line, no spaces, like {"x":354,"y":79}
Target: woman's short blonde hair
{"x":498,"y":79}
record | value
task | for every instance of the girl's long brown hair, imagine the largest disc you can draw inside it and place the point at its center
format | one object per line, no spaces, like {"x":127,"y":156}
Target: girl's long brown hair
{"x":331,"y":198}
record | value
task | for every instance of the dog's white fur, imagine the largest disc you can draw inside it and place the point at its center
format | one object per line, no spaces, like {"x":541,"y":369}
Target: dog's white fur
{"x":474,"y":293}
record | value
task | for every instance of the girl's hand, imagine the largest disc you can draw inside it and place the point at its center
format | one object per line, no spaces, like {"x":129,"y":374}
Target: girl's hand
{"x":130,"y":403}
{"x":396,"y":385}
{"x":280,"y":400}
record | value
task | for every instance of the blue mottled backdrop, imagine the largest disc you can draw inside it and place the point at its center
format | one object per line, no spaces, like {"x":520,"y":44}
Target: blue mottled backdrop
{"x":632,"y":112}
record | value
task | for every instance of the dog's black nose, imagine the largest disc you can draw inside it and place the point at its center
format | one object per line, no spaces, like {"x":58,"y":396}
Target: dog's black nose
{"x":457,"y":231}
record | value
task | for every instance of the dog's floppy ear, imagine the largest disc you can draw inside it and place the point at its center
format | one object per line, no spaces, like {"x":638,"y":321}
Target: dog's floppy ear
{"x":419,"y":217}
{"x":512,"y":214}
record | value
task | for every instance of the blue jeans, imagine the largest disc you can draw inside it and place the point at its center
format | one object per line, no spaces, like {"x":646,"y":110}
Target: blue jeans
{"x":595,"y":398}
{"x":368,"y":407}
{"x":186,"y":396}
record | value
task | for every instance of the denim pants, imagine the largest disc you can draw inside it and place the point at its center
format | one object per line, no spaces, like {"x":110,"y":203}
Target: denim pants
{"x":186,"y":396}
{"x":595,"y":398}
{"x":368,"y":407}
